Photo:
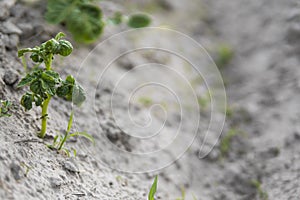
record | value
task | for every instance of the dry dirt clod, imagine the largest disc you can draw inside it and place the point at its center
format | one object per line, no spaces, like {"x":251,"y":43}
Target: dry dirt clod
{"x":10,"y":77}
{"x":8,"y":27}
{"x":71,"y":166}
{"x":15,"y":171}
{"x":55,"y":182}
{"x":4,"y":12}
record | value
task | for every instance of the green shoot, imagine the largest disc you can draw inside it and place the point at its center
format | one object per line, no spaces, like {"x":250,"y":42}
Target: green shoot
{"x":46,"y":83}
{"x":146,"y":101}
{"x":224,"y":55}
{"x":204,"y":100}
{"x":229,"y":111}
{"x":139,"y":20}
{"x":194,"y":198}
{"x":182,"y":194}
{"x":153,"y":189}
{"x":262,"y":194}
{"x":60,"y":140}
{"x":84,"y":19}
{"x":226,"y":141}
{"x":5,"y":108}
{"x":27,"y":168}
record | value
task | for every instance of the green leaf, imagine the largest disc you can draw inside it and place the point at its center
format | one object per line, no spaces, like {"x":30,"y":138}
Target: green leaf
{"x":70,"y":79}
{"x":83,"y":134}
{"x":51,"y":75}
{"x":70,"y":122}
{"x":37,"y":86}
{"x":35,"y":57}
{"x":116,"y":19}
{"x":21,"y":52}
{"x":29,"y":78}
{"x":153,"y":189}
{"x":85,"y":23}
{"x":71,"y":91}
{"x":74,"y":152}
{"x":139,"y":20}
{"x":63,"y":90}
{"x":58,"y":10}
{"x":38,"y":100}
{"x":26,"y":80}
{"x":59,"y":35}
{"x":26,"y":101}
{"x":65,"y":48}
{"x":67,"y":152}
{"x":50,"y":46}
{"x":78,"y":95}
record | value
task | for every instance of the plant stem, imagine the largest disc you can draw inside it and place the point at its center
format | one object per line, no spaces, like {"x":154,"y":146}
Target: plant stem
{"x":44,"y":117}
{"x":63,"y":141}
{"x":48,"y":62}
{"x":67,"y":131}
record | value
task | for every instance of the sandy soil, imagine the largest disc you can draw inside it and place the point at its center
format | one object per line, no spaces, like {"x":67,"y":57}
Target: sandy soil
{"x":262,"y":128}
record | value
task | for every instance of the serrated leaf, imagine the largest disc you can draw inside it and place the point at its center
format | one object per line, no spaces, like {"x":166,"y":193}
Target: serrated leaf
{"x":139,"y":20}
{"x":26,"y":80}
{"x":37,"y":87}
{"x":153,"y":189}
{"x":26,"y":101}
{"x":53,"y":74}
{"x":29,"y":78}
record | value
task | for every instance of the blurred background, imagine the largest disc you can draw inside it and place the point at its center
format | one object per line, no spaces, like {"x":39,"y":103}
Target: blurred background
{"x":160,"y":110}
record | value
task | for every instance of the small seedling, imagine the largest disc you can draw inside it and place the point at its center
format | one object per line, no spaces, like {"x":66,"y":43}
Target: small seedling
{"x":262,"y":194}
{"x":60,"y":140}
{"x":84,"y":19}
{"x":46,"y":83}
{"x":27,"y":168}
{"x":224,"y":55}
{"x":146,"y":101}
{"x":5,"y":108}
{"x":153,"y":189}
{"x":194,"y":198}
{"x":182,"y":194}
{"x":226,"y":141}
{"x":204,"y":100}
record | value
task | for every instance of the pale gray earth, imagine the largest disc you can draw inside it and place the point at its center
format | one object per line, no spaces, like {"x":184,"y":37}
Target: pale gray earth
{"x":262,"y":86}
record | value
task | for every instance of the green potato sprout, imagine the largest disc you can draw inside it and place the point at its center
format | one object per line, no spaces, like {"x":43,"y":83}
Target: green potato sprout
{"x":153,"y":189}
{"x":44,"y":83}
{"x":85,"y":20}
{"x":5,"y":107}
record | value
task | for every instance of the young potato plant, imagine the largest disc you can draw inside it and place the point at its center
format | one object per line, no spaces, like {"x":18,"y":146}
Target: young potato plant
{"x":45,"y":83}
{"x":60,"y":140}
{"x":5,"y":107}
{"x":84,"y":19}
